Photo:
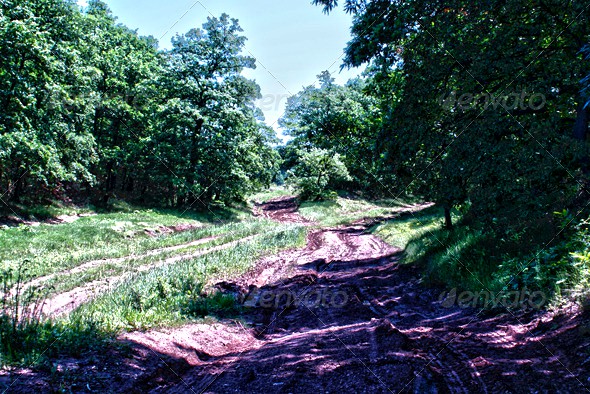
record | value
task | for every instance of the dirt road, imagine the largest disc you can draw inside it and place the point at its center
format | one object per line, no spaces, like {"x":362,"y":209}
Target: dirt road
{"x":343,"y":315}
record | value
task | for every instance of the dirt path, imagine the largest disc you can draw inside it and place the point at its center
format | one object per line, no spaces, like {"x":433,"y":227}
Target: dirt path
{"x":343,"y":316}
{"x":281,"y":209}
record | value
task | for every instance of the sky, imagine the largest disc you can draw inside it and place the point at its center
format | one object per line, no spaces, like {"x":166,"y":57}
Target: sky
{"x":292,"y":40}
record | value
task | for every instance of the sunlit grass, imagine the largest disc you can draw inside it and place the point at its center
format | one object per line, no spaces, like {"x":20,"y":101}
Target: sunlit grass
{"x":448,"y":258}
{"x":399,"y":232}
{"x":173,"y":294}
{"x":50,"y":248}
{"x":346,"y":210}
{"x":228,"y":233}
{"x":151,"y":289}
{"x":272,"y":192}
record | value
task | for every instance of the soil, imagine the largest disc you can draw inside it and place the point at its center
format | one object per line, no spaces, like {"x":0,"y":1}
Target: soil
{"x":343,"y":314}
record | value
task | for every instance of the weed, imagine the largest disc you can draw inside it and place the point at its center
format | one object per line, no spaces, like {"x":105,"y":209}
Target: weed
{"x":27,"y":337}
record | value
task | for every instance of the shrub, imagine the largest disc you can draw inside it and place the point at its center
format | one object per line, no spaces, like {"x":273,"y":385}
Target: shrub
{"x":317,"y":173}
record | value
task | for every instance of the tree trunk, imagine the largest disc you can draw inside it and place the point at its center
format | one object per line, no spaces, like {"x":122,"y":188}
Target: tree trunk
{"x":194,"y":156}
{"x":581,"y":125}
{"x":448,"y":219}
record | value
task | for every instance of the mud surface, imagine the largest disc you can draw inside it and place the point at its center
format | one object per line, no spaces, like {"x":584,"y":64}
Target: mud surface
{"x":341,"y":316}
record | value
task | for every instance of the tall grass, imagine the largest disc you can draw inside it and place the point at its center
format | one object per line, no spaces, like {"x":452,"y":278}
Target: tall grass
{"x":54,"y":248}
{"x":176,"y":293}
{"x":450,"y":258}
{"x":561,"y":269}
{"x":168,"y":295}
{"x":469,"y":258}
{"x":66,"y":281}
{"x":27,"y":337}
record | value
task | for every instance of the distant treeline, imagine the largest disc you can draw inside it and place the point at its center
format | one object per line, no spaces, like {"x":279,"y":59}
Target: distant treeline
{"x":88,"y":108}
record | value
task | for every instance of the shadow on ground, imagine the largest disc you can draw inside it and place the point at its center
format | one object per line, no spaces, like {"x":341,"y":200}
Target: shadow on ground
{"x":346,"y":317}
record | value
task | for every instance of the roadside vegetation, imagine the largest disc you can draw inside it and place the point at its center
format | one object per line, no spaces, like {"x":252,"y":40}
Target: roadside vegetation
{"x":157,"y":158}
{"x":342,"y":210}
{"x":175,"y":293}
{"x":468,"y":258}
{"x":49,"y":248}
{"x":163,"y":273}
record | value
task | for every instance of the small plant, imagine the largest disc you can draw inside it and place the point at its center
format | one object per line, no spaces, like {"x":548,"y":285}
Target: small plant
{"x":219,"y":304}
{"x":136,"y":301}
{"x":162,"y":289}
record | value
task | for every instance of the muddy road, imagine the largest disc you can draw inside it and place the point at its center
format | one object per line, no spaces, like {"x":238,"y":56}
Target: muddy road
{"x":344,"y":315}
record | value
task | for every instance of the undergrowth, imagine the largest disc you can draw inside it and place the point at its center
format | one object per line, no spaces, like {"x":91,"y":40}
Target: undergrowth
{"x":476,"y":259}
{"x":172,"y":294}
{"x":27,"y":337}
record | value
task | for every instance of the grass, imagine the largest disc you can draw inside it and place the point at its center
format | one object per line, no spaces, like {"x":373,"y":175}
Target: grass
{"x":51,"y":248}
{"x":272,"y":192}
{"x":172,"y":294}
{"x":471,"y":259}
{"x":454,"y":259}
{"x":400,"y":232}
{"x":65,"y":281}
{"x":346,"y":210}
{"x":560,"y":269}
{"x":149,"y":293}
{"x":27,"y":338}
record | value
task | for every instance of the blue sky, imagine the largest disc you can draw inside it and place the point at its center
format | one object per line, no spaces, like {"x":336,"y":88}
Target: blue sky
{"x":292,"y":40}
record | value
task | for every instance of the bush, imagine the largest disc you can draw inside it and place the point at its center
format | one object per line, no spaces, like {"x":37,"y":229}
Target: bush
{"x":316,"y":175}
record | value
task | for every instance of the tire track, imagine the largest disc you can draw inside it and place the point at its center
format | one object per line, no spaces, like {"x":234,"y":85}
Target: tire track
{"x":118,"y":260}
{"x":68,"y":301}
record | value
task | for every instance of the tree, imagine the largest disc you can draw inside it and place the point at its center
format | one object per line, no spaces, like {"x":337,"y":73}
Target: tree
{"x":41,"y":142}
{"x":508,"y":73}
{"x":344,"y":119}
{"x":208,"y":128}
{"x":585,"y":85}
{"x":89,"y":104}
{"x":120,"y":68}
{"x":317,"y":174}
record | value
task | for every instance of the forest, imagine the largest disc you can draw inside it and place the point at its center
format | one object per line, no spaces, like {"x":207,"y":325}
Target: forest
{"x":142,"y":190}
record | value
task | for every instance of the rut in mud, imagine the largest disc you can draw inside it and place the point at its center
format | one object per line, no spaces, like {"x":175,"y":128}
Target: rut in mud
{"x":343,"y":315}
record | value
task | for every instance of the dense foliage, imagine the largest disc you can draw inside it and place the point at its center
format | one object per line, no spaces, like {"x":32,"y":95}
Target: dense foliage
{"x":342,"y":119}
{"x":490,"y":100}
{"x":482,"y":107}
{"x":317,"y":174}
{"x":90,"y":108}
